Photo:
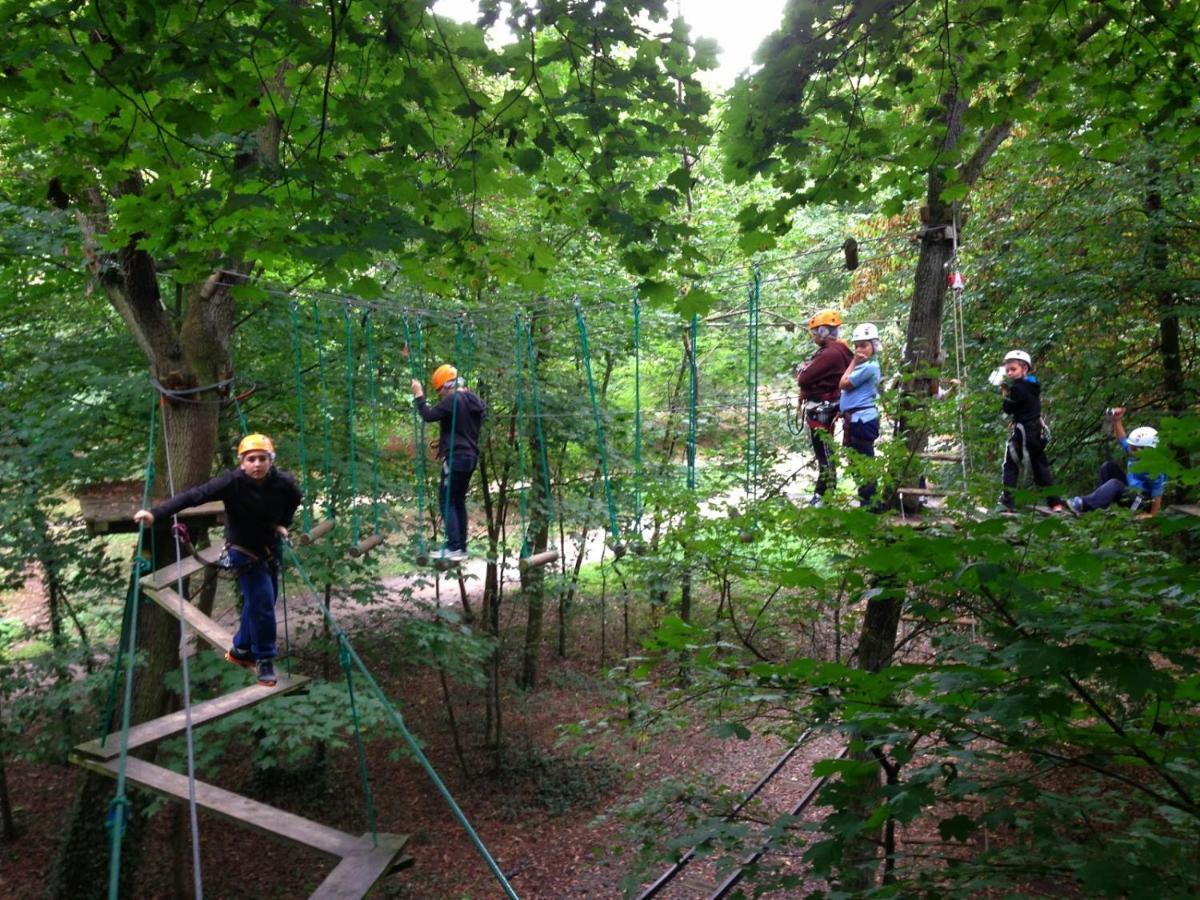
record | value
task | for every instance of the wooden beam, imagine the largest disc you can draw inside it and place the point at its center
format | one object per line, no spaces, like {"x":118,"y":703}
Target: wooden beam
{"x":355,"y":875}
{"x":242,"y":810}
{"x":1192,"y":509}
{"x":168,"y":575}
{"x":204,"y":627}
{"x":176,"y":722}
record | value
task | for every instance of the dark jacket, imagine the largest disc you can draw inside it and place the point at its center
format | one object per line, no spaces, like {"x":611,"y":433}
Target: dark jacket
{"x":466,"y":423}
{"x":818,"y":379}
{"x":1024,"y":400}
{"x":252,"y":508}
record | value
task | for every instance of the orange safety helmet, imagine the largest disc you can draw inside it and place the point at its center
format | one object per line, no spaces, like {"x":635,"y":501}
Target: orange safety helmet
{"x":253,"y":442}
{"x":442,"y":374}
{"x":825,"y":317}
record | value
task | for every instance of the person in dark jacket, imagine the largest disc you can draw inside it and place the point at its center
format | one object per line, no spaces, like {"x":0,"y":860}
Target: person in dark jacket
{"x":260,"y":502}
{"x":1022,"y":394}
{"x":818,"y":380}
{"x":460,"y":413}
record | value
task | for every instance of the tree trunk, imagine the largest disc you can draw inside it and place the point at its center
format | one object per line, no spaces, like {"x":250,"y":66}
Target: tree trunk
{"x":533,"y":588}
{"x":8,"y":825}
{"x":1165,"y":297}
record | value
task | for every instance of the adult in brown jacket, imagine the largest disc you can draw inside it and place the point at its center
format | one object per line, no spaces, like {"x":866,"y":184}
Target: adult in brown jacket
{"x":819,"y":393}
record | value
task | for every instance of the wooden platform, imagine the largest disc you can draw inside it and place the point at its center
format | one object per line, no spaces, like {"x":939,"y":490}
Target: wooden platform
{"x":1191,"y":509}
{"x":361,"y":860}
{"x":108,"y":508}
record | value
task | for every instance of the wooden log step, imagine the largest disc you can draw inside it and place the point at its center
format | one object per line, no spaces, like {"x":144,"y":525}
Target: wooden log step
{"x":355,"y":875}
{"x":317,"y":532}
{"x":236,"y":808}
{"x":169,"y":575}
{"x":537,"y":560}
{"x":921,"y":492}
{"x":205,"y":627}
{"x":1191,"y":509}
{"x":366,"y":545}
{"x":175,"y":723}
{"x":942,"y":457}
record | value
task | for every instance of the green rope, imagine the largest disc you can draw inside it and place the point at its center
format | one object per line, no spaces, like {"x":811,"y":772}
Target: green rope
{"x":452,"y":437}
{"x":398,"y":720}
{"x":326,"y":443}
{"x":752,"y":349}
{"x":522,"y":470}
{"x":637,"y":413}
{"x":141,"y":567}
{"x":693,"y":392}
{"x":120,"y":803}
{"x":350,"y":426}
{"x":547,"y":496}
{"x":237,"y":407}
{"x":412,"y":337}
{"x":298,"y":359}
{"x":348,"y":668}
{"x":586,"y":352}
{"x":287,"y":641}
{"x":374,"y":401}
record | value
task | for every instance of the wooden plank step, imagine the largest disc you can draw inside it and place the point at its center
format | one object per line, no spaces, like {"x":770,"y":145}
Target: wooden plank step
{"x":921,"y":492}
{"x":942,"y":457}
{"x":168,"y":576}
{"x":355,"y":875}
{"x":204,"y":627}
{"x":208,"y":711}
{"x":234,"y":807}
{"x":1192,"y":509}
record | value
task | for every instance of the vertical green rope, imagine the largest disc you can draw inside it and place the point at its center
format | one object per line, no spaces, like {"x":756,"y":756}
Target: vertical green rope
{"x":374,"y":402}
{"x":294,"y":308}
{"x":637,"y":413}
{"x":693,"y":393}
{"x":586,"y":352}
{"x":364,"y":772}
{"x":547,"y":496}
{"x":411,"y":338}
{"x":522,"y":469}
{"x":120,"y":803}
{"x":237,"y":407}
{"x":350,"y":426}
{"x":752,"y":359}
{"x":326,"y":442}
{"x":452,"y":437}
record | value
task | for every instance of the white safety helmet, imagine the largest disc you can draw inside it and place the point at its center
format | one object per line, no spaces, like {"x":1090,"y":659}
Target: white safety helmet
{"x":1143,"y":437}
{"x":865,"y":332}
{"x":1019,"y":356}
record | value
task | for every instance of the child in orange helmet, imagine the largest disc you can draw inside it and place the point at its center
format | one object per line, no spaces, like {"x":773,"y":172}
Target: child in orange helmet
{"x":260,"y":502}
{"x":460,"y":413}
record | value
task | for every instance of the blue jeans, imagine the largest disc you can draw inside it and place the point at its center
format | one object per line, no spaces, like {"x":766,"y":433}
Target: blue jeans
{"x":257,"y":579}
{"x":452,"y":499}
{"x":860,"y":437}
{"x":1110,"y":485}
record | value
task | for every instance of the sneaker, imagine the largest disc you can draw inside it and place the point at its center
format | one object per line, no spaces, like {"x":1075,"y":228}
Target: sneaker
{"x":439,"y":554}
{"x":1075,"y":505}
{"x":266,"y":673}
{"x":239,"y":658}
{"x":816,"y":501}
{"x":456,"y":555}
